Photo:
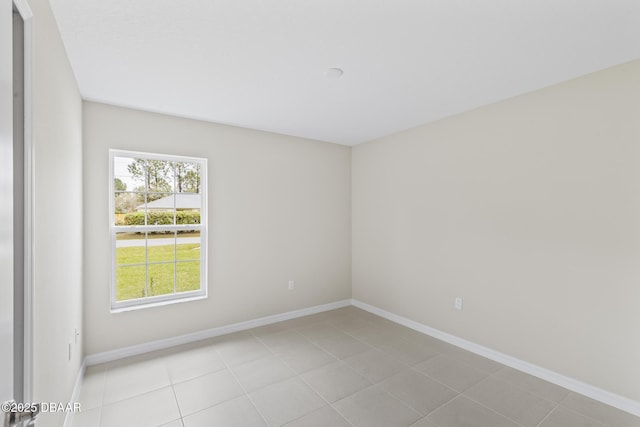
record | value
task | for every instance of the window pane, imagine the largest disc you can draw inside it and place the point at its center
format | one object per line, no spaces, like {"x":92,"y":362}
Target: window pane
{"x":188,"y":246}
{"x":188,"y":276}
{"x":159,"y":176}
{"x":161,"y":209}
{"x":125,"y":208}
{"x":188,"y":208}
{"x":161,"y":246}
{"x":128,"y":174}
{"x":187,"y":177}
{"x":130,"y":248}
{"x":130,"y":282}
{"x":161,"y":279}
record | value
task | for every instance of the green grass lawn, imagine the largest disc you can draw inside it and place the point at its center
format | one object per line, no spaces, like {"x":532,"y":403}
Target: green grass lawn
{"x":131,"y":279}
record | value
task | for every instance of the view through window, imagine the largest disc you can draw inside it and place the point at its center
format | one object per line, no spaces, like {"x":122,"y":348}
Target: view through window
{"x":158,"y":227}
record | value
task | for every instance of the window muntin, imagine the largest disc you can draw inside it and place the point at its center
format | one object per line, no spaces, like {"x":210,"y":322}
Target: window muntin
{"x":158,"y":228}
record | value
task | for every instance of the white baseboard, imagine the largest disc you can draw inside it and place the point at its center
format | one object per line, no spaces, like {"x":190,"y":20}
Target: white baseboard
{"x":108,"y":356}
{"x":604,"y":396}
{"x":68,"y":419}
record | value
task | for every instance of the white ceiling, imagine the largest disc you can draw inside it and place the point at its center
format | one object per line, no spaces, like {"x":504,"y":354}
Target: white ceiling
{"x":260,"y":63}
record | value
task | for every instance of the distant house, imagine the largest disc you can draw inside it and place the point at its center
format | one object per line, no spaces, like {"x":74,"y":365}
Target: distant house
{"x":183,"y":202}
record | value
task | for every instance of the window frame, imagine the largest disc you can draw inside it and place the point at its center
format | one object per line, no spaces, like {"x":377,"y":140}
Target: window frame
{"x":176,"y":297}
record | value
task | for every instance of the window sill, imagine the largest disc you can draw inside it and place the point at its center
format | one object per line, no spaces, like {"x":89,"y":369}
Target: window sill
{"x":142,"y":306}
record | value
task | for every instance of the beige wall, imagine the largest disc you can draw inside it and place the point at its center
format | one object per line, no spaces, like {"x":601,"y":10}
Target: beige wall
{"x":529,"y":209}
{"x":57,"y":115}
{"x":279,"y":209}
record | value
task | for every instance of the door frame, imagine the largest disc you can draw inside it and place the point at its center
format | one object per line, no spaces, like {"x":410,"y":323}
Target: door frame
{"x":29,"y":201}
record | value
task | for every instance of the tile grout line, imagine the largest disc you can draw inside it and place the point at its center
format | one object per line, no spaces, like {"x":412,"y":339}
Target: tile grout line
{"x":104,"y":388}
{"x":580,"y":413}
{"x":299,"y":376}
{"x":175,"y":397}
{"x":491,"y":409}
{"x":373,"y":384}
{"x":246,"y":394}
{"x":548,"y":415}
{"x":539,"y":395}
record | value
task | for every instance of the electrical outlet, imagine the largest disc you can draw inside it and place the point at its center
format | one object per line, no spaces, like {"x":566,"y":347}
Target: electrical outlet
{"x":457,"y":303}
{"x":292,"y":285}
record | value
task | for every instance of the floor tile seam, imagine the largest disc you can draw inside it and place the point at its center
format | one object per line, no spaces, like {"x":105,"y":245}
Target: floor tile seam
{"x":157,"y":362}
{"x":341,"y":362}
{"x":347,"y":397}
{"x":335,"y":355}
{"x":103,"y":374}
{"x":227,"y":400}
{"x":423,"y":360}
{"x":102,"y":390}
{"x":520,"y":388}
{"x":468,"y":365}
{"x":330,"y":404}
{"x":299,"y":376}
{"x":438,"y":407}
{"x":321,"y":349}
{"x":99,"y":416}
{"x":575,"y":411}
{"x":417,"y":410}
{"x":485,"y":371}
{"x":320,"y":339}
{"x":137,"y":395}
{"x":210,"y":406}
{"x":402,"y":402}
{"x":491,"y":409}
{"x":404,"y":365}
{"x":173,"y":383}
{"x":562,"y":403}
{"x":368,"y":324}
{"x":227,"y":368}
{"x":548,"y":415}
{"x":557,"y":402}
{"x":175,"y":397}
{"x":381,"y":389}
{"x":379,"y":382}
{"x":235,"y":377}
{"x":295,"y":374}
{"x":439,"y":381}
{"x":363,"y":342}
{"x":302,"y":336}
{"x":298,"y":329}
{"x":435,"y":380}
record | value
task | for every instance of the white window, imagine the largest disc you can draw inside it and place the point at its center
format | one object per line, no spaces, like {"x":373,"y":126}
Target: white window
{"x":158,"y":224}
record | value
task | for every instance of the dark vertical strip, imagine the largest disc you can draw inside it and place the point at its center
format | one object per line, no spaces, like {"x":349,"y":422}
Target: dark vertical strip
{"x":18,"y":205}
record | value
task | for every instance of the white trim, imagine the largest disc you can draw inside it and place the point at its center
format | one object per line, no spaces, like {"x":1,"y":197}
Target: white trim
{"x":24,"y":9}
{"x":109,"y":356}
{"x":29,"y":199}
{"x":75,"y":395}
{"x":158,"y":303}
{"x":604,"y":396}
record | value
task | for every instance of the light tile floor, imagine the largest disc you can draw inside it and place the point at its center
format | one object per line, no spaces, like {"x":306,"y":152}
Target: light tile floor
{"x":344,"y":367}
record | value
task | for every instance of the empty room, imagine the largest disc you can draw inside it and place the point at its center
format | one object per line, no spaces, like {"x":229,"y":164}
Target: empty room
{"x":302,"y":213}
